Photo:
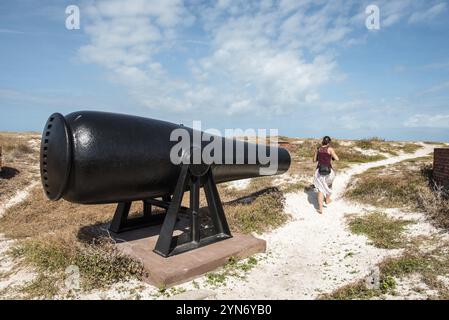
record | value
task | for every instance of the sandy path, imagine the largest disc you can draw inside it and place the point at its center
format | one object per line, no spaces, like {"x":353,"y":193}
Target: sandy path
{"x":313,"y":253}
{"x":17,"y":198}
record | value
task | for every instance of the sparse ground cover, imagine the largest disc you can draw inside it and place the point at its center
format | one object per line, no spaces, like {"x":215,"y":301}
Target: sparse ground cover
{"x":51,"y":236}
{"x":421,"y":268}
{"x":20,"y":157}
{"x":383,"y":231}
{"x":424,"y":263}
{"x":407,"y":184}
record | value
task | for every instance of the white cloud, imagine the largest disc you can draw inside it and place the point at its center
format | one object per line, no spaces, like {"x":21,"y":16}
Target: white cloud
{"x":428,"y":121}
{"x":265,"y":56}
{"x":428,"y":15}
{"x":437,"y":88}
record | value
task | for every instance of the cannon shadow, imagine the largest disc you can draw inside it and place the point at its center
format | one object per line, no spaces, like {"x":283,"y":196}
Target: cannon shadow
{"x":91,"y":234}
{"x":248,"y":199}
{"x":8,"y":173}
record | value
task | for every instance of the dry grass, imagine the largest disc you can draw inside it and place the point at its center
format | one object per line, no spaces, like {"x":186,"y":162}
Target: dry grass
{"x":20,"y":162}
{"x":394,"y":186}
{"x":407,"y":184}
{"x":16,"y":146}
{"x":434,"y":201}
{"x":389,"y":147}
{"x":36,"y":216}
{"x":261,"y":214}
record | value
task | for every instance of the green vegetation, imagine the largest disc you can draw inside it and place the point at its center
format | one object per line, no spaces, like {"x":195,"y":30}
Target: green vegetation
{"x":384,"y":232}
{"x":43,"y":286}
{"x":234,"y":268}
{"x":99,"y":265}
{"x":428,"y":264}
{"x":349,"y":157}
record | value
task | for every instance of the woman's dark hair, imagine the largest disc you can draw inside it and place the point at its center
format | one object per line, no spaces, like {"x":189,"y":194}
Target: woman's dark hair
{"x":326,"y":140}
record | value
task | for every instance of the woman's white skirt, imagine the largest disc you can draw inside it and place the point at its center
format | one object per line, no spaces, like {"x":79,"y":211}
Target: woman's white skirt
{"x":324,"y":183}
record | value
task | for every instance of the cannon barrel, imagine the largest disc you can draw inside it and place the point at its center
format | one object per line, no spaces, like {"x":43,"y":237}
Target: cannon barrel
{"x":94,"y":157}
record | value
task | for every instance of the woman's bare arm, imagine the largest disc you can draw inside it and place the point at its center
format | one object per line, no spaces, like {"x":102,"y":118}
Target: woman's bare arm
{"x":333,"y":154}
{"x":315,"y":156}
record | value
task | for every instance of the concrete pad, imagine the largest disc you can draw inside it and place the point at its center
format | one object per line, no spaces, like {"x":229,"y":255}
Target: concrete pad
{"x":139,"y":245}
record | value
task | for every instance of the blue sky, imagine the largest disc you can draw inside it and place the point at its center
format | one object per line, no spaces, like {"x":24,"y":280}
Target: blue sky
{"x":307,"y":68}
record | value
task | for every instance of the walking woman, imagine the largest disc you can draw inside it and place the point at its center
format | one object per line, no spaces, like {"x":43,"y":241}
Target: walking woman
{"x":324,"y":174}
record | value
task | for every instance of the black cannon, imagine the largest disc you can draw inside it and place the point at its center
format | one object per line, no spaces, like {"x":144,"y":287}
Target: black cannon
{"x":93,"y":157}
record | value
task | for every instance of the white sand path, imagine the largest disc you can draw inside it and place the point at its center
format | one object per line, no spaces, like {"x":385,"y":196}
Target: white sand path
{"x":313,"y":253}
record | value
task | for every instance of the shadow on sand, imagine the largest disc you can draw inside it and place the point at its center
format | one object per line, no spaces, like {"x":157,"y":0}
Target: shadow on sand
{"x":8,"y":173}
{"x":311,"y":196}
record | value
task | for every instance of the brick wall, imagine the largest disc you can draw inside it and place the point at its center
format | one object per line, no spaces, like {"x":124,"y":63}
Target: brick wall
{"x":441,"y":166}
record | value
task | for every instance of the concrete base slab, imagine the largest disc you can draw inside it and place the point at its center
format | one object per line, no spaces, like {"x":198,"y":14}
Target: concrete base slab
{"x":139,"y":245}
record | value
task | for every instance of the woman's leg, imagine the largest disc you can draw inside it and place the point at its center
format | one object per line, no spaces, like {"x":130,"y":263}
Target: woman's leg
{"x":329,"y":181}
{"x":320,"y":202}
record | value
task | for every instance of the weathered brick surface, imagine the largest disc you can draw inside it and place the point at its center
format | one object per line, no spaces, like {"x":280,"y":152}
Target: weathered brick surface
{"x":441,"y":166}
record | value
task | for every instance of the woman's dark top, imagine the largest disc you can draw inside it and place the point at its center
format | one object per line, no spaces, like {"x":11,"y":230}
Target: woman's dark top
{"x":324,"y":158}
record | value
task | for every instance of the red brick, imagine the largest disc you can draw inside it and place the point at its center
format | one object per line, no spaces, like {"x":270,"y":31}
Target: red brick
{"x":441,"y":165}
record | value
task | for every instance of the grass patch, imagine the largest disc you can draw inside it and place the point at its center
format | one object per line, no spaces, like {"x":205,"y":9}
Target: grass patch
{"x":383,"y":231}
{"x":233,"y":268}
{"x":353,"y":291}
{"x":393,"y":186}
{"x":100,"y":265}
{"x":264,"y":213}
{"x":43,"y":286}
{"x":428,"y":264}
{"x":392,"y":148}
{"x":407,"y":184}
{"x":371,"y":143}
{"x":348,"y":157}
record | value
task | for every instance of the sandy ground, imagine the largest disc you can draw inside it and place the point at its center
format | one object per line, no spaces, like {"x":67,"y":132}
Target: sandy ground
{"x":314,"y":253}
{"x":18,"y":197}
{"x":310,"y":255}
